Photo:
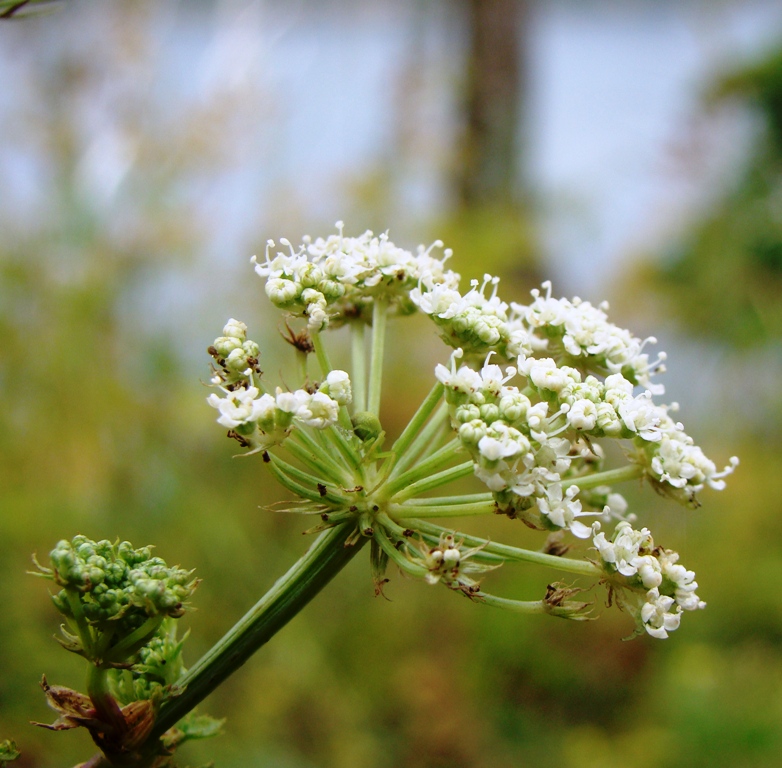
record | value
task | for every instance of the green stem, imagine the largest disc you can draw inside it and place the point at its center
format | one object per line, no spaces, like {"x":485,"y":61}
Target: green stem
{"x":358,"y":379}
{"x":82,"y":626}
{"x":609,"y":477}
{"x":403,"y":534}
{"x":519,"y":606}
{"x":345,"y":448}
{"x":580,"y":567}
{"x":106,"y":706}
{"x":425,"y":439}
{"x":317,"y":460}
{"x":442,"y":501}
{"x":286,"y":482}
{"x":397,"y":557}
{"x":401,"y":511}
{"x":421,"y":415}
{"x":435,"y":481}
{"x":320,"y":353}
{"x":292,"y":477}
{"x":379,"y":317}
{"x":301,"y":361}
{"x":132,"y":642}
{"x":325,"y":559}
{"x":438,"y":459}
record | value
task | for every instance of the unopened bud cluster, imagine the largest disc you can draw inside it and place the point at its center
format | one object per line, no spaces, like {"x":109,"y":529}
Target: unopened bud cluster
{"x":110,"y":587}
{"x":158,"y":665}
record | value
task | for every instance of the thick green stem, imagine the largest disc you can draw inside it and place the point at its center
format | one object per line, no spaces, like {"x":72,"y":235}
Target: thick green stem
{"x":379,"y":317}
{"x":609,"y":477}
{"x":105,"y":704}
{"x":324,"y":560}
{"x":358,"y":377}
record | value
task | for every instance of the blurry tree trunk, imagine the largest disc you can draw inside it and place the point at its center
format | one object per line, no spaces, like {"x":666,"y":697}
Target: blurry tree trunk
{"x":488,"y":171}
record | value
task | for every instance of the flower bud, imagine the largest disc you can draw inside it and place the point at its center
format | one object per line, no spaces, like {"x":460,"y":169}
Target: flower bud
{"x":366,"y":426}
{"x":235,"y":329}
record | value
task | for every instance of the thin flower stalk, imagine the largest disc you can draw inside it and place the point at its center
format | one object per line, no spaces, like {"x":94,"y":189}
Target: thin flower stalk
{"x":358,"y":358}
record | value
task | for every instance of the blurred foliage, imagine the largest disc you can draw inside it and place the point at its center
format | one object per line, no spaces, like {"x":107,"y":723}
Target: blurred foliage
{"x":12,"y":9}
{"x":105,"y":432}
{"x":724,"y":277}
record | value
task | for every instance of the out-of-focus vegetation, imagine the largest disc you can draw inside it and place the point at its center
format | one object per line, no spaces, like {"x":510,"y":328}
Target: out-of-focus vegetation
{"x":723,"y":278}
{"x":104,"y":431}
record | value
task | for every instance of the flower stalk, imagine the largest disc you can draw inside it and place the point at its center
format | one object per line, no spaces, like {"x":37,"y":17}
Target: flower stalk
{"x":327,"y":556}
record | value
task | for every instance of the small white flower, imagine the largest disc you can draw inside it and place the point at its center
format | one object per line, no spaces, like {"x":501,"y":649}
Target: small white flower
{"x":657,"y":619}
{"x":563,"y":509}
{"x":237,"y":407}
{"x":582,"y":415}
{"x":502,"y":442}
{"x":337,"y":387}
{"x":318,"y":410}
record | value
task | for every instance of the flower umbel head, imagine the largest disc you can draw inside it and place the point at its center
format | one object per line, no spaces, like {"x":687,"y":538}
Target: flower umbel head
{"x":526,"y":403}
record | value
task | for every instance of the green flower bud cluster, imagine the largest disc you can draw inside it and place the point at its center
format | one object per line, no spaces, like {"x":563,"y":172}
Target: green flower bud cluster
{"x":115,"y":596}
{"x":159,"y":665}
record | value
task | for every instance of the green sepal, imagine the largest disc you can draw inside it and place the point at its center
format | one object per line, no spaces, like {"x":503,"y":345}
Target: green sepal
{"x":70,"y":642}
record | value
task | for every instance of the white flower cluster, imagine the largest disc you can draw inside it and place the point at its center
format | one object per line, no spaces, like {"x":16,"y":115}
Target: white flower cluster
{"x":669,"y":587}
{"x":572,"y":329}
{"x":581,"y":331}
{"x":333,"y":279}
{"x":474,"y":322}
{"x":515,"y":444}
{"x":266,"y":420}
{"x":586,"y":385}
{"x":260,"y":420}
{"x":611,"y":409}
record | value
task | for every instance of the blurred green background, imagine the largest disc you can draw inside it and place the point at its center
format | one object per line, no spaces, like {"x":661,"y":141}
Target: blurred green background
{"x":631,"y":151}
